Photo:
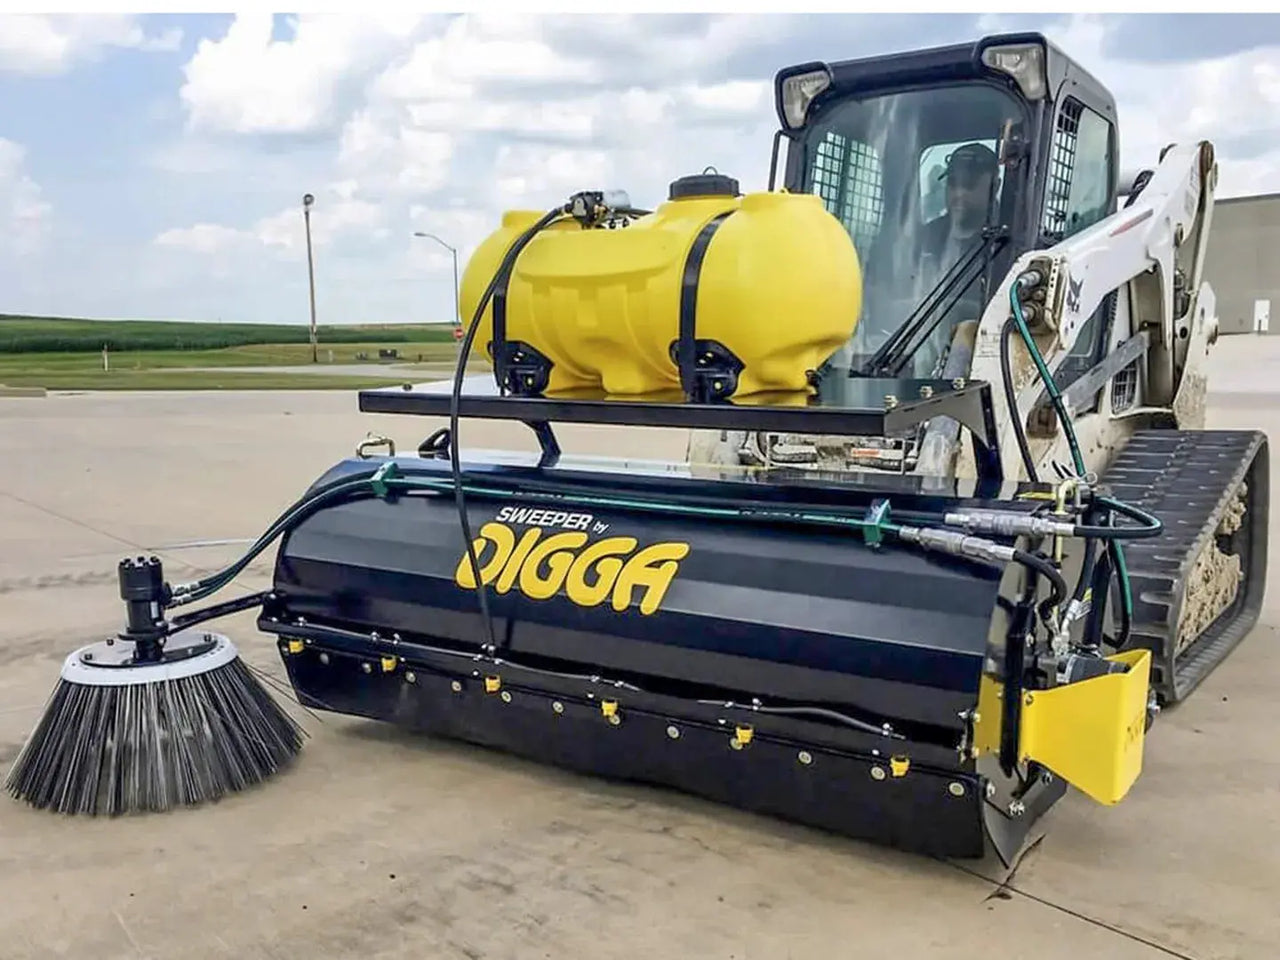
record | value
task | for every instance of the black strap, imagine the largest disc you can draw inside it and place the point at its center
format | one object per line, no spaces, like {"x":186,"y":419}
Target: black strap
{"x":497,"y":351}
{"x":687,"y":349}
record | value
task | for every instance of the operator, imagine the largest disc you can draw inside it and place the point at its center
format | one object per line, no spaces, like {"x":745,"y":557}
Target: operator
{"x":969,"y":174}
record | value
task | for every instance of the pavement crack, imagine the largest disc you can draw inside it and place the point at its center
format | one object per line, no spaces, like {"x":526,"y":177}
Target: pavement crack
{"x":85,"y":526}
{"x":1005,"y":889}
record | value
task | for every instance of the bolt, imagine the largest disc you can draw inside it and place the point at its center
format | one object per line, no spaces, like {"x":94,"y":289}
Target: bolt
{"x":673,"y":732}
{"x":1046,"y":778}
{"x":411,"y":677}
{"x":324,"y":658}
{"x":890,"y":401}
{"x":991,"y":790}
{"x":735,"y":744}
{"x":1017,"y":808}
{"x":506,"y":696}
{"x":877,"y":773}
{"x":367,"y":668}
{"x":926,"y":392}
{"x":955,"y":788}
{"x":456,"y":686}
{"x":88,"y":656}
{"x":1028,"y":699}
{"x":395,"y":638}
{"x":614,"y":719}
{"x":557,"y":707}
{"x":805,"y":757}
{"x":958,"y":383}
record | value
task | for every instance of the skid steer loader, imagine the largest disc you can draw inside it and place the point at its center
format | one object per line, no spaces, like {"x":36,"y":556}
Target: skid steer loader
{"x":949,"y":530}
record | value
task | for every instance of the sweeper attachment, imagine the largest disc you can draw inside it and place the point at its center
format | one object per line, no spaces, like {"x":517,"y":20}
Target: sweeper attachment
{"x":967,"y":599}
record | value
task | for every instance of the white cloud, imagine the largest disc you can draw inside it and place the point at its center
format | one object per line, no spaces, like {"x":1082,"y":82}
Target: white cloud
{"x":206,"y":238}
{"x":440,"y":124}
{"x":46,"y":44}
{"x":338,"y":213}
{"x":24,"y":214}
{"x":246,"y":82}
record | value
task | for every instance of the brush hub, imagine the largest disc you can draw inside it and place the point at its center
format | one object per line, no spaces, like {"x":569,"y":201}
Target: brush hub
{"x":112,"y":663}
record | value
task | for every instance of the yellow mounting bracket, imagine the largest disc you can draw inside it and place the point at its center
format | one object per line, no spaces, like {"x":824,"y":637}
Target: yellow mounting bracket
{"x":1090,"y":733}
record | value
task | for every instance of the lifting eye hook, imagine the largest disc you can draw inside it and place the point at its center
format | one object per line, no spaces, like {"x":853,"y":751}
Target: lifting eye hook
{"x":373,"y":441}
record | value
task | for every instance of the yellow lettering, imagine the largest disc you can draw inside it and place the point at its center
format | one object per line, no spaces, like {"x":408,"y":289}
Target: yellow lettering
{"x":512,"y":569}
{"x":653,"y":568}
{"x":503,"y":541}
{"x":603,"y":557}
{"x":541,"y":567}
{"x":557,"y":553}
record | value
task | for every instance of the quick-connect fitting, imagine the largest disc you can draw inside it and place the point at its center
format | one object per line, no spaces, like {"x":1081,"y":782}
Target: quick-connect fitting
{"x":958,"y":544}
{"x":1008,"y":524}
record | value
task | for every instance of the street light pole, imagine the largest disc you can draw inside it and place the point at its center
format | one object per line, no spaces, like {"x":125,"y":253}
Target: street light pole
{"x":457,"y":311}
{"x":307,"y":201}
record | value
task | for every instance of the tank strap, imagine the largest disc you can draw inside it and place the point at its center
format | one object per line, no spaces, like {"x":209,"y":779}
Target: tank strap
{"x":497,"y":346}
{"x":518,"y":368}
{"x":720,"y":373}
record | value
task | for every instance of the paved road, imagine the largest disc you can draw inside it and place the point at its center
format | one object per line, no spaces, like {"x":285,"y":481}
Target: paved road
{"x":382,"y":845}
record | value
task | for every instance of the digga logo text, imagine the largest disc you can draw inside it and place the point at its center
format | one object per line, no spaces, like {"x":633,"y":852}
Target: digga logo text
{"x":590,"y":573}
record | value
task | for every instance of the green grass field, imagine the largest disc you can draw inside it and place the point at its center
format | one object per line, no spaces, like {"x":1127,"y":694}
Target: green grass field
{"x":144,"y":355}
{"x":59,"y":335}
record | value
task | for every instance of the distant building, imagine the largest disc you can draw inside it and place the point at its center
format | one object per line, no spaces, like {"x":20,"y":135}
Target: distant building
{"x":1243,"y":263}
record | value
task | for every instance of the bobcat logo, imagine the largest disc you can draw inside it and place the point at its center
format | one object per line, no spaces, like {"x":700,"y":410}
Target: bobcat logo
{"x":1073,"y":294}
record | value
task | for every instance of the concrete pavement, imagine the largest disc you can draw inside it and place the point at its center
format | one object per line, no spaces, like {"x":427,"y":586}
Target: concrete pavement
{"x":382,"y":845}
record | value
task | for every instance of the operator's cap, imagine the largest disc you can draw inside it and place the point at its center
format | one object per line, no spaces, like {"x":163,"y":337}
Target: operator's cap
{"x":970,"y":161}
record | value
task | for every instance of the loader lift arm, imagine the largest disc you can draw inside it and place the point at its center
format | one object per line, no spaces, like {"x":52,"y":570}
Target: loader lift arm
{"x":1151,"y":255}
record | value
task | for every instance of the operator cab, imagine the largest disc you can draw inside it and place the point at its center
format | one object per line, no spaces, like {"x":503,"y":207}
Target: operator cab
{"x":945,"y":165}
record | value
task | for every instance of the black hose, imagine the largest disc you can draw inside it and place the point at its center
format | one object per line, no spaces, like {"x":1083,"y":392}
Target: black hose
{"x":1086,"y":569}
{"x":1152,"y":526}
{"x":1113,"y":549}
{"x":1011,"y":400}
{"x":1058,"y":586}
{"x":205,"y":586}
{"x":455,"y":400}
{"x":1101,"y":589}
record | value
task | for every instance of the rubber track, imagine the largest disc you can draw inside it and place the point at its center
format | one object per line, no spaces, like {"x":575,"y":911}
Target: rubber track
{"x":1187,"y":479}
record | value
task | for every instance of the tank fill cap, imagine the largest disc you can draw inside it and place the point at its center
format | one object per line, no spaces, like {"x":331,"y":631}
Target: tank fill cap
{"x":703,"y":185}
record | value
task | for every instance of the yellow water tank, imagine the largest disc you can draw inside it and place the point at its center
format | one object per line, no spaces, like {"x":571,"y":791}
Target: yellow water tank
{"x":770,"y":284}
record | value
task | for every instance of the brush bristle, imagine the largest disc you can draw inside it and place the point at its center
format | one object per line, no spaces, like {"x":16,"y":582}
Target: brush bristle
{"x":139,"y":747}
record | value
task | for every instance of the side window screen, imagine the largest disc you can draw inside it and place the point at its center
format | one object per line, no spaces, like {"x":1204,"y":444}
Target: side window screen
{"x":847,"y":175}
{"x":1078,"y":188}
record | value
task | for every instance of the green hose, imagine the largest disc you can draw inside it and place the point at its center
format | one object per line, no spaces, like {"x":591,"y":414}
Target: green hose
{"x":1122,"y":570}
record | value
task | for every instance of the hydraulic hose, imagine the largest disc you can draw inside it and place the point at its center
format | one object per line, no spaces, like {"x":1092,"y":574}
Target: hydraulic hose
{"x":205,"y":586}
{"x":1126,"y":595}
{"x":1057,"y":585}
{"x":1152,"y":526}
{"x":1011,"y":401}
{"x":1049,"y":384}
{"x":455,"y":400}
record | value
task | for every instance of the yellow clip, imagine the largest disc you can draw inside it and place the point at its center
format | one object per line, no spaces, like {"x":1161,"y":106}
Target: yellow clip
{"x":388,"y":664}
{"x":609,"y":707}
{"x":742,"y":735}
{"x":898,"y":766}
{"x":296,"y":646}
{"x":492,"y":684}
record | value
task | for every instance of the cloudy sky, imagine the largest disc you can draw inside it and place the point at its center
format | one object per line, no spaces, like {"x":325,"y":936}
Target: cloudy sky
{"x":154,"y":166}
